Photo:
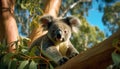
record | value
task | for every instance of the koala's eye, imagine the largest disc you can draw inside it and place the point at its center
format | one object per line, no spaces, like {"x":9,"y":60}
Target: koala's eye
{"x":65,"y":31}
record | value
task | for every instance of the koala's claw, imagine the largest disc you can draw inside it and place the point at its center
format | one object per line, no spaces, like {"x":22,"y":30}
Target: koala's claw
{"x":73,"y":55}
{"x":63,"y":60}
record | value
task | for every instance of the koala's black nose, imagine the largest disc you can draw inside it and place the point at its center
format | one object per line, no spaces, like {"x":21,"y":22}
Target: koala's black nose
{"x":58,"y":34}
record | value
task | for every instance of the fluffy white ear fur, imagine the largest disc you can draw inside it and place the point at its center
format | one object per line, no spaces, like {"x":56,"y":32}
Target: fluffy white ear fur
{"x":46,"y":21}
{"x":75,"y":23}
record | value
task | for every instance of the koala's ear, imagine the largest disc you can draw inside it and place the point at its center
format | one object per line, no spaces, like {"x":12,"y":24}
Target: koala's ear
{"x":46,"y":20}
{"x":74,"y":22}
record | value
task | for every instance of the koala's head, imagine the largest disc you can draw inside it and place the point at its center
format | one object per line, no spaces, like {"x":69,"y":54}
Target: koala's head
{"x":59,"y":30}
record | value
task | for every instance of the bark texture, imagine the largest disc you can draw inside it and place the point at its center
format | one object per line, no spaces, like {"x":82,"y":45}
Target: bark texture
{"x":98,"y":57}
{"x":8,"y":27}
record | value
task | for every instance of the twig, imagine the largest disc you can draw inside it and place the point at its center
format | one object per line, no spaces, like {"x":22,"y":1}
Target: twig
{"x":73,"y":5}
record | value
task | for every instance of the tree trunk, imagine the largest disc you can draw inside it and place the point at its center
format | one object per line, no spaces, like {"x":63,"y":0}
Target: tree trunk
{"x":8,"y":27}
{"x":98,"y":57}
{"x":51,"y":8}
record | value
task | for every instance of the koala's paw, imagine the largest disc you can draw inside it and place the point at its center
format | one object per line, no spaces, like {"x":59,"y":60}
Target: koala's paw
{"x":63,"y":60}
{"x":73,"y":54}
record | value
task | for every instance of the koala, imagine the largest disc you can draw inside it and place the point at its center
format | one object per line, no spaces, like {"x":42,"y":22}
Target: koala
{"x":56,"y":44}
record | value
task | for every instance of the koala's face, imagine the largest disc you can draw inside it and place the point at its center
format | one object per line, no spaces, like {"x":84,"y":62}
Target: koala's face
{"x":59,"y":32}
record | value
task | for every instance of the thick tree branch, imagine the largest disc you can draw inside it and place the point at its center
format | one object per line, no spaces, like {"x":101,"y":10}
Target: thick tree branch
{"x":98,"y":57}
{"x":72,"y":6}
{"x":8,"y":23}
{"x":52,"y":7}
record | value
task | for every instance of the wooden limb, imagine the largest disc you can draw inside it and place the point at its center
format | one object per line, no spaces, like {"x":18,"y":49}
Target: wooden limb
{"x":52,"y":7}
{"x":8,"y":27}
{"x":72,"y":6}
{"x":98,"y":57}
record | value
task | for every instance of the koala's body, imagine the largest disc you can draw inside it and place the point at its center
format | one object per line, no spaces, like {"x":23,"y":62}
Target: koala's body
{"x":56,"y":42}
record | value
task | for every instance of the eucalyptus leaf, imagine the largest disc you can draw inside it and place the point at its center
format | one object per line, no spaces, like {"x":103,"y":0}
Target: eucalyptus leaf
{"x":33,"y":65}
{"x":12,"y":64}
{"x":9,"y":65}
{"x":116,"y":58}
{"x":23,"y":6}
{"x":23,"y":64}
{"x":51,"y":67}
{"x":32,"y":51}
{"x":24,"y":50}
{"x":7,"y":58}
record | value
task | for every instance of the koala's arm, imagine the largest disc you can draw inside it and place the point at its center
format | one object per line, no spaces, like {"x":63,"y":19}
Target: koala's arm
{"x":53,"y":53}
{"x":71,"y":51}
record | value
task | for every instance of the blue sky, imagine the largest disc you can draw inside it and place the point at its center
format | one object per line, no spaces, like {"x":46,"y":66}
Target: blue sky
{"x":95,"y":17}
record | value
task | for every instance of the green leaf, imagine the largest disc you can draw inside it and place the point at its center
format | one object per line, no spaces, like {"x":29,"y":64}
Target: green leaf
{"x":24,"y":50}
{"x":7,"y":58}
{"x":51,"y":67}
{"x":33,"y":51}
{"x":22,"y":6}
{"x":12,"y":64}
{"x":116,"y":58}
{"x":9,"y":64}
{"x":23,"y":64}
{"x":33,"y":65}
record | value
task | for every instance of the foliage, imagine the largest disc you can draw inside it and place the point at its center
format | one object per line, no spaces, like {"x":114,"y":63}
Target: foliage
{"x":104,"y":3}
{"x":111,"y":17}
{"x":22,"y":58}
{"x":88,"y":36}
{"x":27,"y":13}
{"x":116,"y":61}
{"x":115,"y":55}
{"x":75,"y":7}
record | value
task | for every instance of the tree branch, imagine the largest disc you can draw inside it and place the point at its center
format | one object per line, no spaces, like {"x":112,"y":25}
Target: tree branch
{"x":73,"y":5}
{"x":98,"y":57}
{"x":8,"y":23}
{"x":52,"y":7}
